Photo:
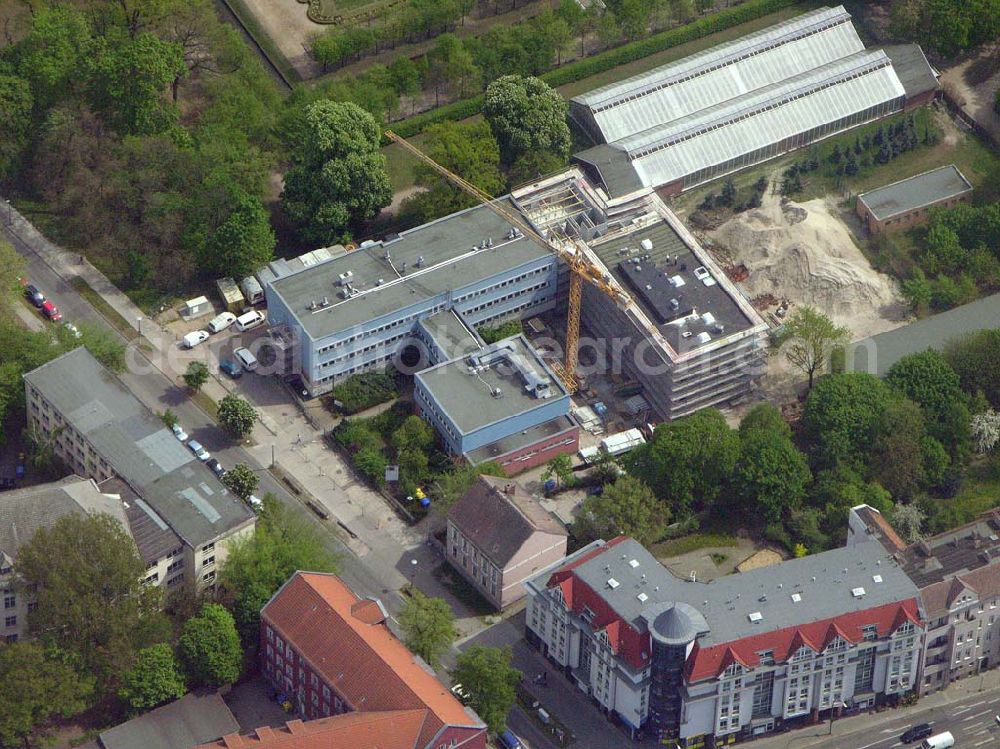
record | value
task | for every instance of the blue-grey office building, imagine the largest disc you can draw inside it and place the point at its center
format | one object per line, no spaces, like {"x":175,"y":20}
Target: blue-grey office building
{"x":358,"y":310}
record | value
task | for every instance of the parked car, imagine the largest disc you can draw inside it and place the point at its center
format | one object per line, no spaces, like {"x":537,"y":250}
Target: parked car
{"x":221,"y":322}
{"x":251,"y":319}
{"x":179,"y":433}
{"x":254,"y":501}
{"x":195,"y":337}
{"x":508,"y":740}
{"x":51,"y":311}
{"x":73,"y":330}
{"x":244,"y":357}
{"x":461,"y":693}
{"x":943,"y":740}
{"x":19,"y":469}
{"x":34,"y":295}
{"x":216,"y":467}
{"x":917,"y":732}
{"x":199,"y":452}
{"x":231,"y":368}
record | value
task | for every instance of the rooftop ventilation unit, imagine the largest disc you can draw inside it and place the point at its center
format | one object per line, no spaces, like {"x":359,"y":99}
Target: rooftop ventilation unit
{"x":646,"y":244}
{"x":642,"y":597}
{"x":796,"y":598}
{"x":857,"y":592}
{"x":676,"y":281}
{"x":708,"y":318}
{"x":612,"y":583}
{"x":345,"y":278}
{"x":368,"y":243}
{"x":633,"y":563}
{"x":755,"y":617}
{"x":703,"y":337}
{"x":325,"y":302}
{"x":420,"y":261}
{"x":877,"y":578}
{"x":312,"y":304}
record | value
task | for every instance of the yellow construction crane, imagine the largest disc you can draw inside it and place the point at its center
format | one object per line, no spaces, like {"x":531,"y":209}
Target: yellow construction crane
{"x":580,"y":267}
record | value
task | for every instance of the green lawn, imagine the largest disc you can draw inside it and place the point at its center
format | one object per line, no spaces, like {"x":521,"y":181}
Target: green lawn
{"x":980,"y":491}
{"x":106,"y":311}
{"x":685,"y":544}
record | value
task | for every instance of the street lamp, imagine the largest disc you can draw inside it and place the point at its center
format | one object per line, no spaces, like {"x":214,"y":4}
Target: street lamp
{"x":10,"y":212}
{"x":413,"y":570}
{"x":138,"y":324}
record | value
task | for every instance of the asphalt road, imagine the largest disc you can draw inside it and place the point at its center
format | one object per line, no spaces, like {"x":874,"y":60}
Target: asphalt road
{"x":158,"y":392}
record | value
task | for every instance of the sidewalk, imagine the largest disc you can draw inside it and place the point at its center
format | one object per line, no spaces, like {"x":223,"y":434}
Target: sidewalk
{"x":858,"y":727}
{"x":360,"y":517}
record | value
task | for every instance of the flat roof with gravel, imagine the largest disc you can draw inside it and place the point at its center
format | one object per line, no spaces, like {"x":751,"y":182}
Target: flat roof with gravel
{"x":915,"y":192}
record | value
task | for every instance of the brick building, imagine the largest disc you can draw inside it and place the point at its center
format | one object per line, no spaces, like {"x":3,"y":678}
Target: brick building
{"x":331,"y":652}
{"x":906,"y":203}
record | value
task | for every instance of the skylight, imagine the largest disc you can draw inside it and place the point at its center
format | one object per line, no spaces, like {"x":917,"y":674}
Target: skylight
{"x":755,"y":617}
{"x":857,"y":592}
{"x":612,"y":583}
{"x":796,"y":597}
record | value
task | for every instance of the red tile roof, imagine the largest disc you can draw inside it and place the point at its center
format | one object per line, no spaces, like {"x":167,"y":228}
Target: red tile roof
{"x":359,"y":658}
{"x":706,"y":663}
{"x":877,"y":523}
{"x":395,"y":729}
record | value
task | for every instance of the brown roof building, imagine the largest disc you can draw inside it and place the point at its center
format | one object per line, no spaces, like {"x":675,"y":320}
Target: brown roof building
{"x":330,"y":652}
{"x":392,"y":729}
{"x":958,"y":574}
{"x":499,"y":536}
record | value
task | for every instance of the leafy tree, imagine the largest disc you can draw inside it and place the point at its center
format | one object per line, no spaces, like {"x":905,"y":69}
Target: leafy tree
{"x":338,"y":176}
{"x":12,"y":267}
{"x":50,"y":56}
{"x":809,"y":338}
{"x":491,"y":682}
{"x":450,"y":66}
{"x":767,"y":417}
{"x":526,"y":115}
{"x":169,"y":418}
{"x":372,"y":462}
{"x":918,"y":292}
{"x":242,"y":244}
{"x":90,"y":598}
{"x":154,"y":679}
{"x":405,"y":76}
{"x":15,"y":111}
{"x":805,"y":527}
{"x":428,"y":626}
{"x":452,"y":486}
{"x":626,"y":507}
{"x":260,"y":564}
{"x":195,"y":376}
{"x":688,"y":461}
{"x":37,"y":687}
{"x":104,"y":346}
{"x":467,"y":149}
{"x":241,"y":480}
{"x":975,"y":357}
{"x":534,"y":165}
{"x":907,"y":520}
{"x":837,"y":490}
{"x":771,"y":475}
{"x":413,"y":434}
{"x":561,"y":467}
{"x":127,"y":79}
{"x":210,"y":647}
{"x":236,"y":416}
{"x":927,"y":379}
{"x":897,"y":449}
{"x":841,"y":416}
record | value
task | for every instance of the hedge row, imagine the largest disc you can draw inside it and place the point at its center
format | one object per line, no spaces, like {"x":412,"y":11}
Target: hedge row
{"x":575,"y":71}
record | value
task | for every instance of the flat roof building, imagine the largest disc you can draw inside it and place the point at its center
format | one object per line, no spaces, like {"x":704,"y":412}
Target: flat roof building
{"x":905,"y":203}
{"x":490,"y":395}
{"x":356,"y":311}
{"x":102,"y":431}
{"x":737,"y":104}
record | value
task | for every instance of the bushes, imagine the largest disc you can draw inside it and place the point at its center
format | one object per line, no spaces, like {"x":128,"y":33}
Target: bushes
{"x":362,"y":391}
{"x":499,"y":332}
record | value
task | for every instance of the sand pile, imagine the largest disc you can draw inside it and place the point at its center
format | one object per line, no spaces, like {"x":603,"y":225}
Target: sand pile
{"x":803,"y":252}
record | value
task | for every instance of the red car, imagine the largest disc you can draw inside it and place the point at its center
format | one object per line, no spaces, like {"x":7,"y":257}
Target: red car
{"x":51,"y":311}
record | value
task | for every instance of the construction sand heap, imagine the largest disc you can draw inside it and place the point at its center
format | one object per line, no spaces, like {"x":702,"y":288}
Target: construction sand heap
{"x":803,"y":252}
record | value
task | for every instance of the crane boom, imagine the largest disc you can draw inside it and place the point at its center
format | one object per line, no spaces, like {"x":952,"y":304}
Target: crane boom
{"x":580,"y":267}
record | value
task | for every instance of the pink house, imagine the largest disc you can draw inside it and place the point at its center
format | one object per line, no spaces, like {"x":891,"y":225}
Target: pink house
{"x":499,"y":536}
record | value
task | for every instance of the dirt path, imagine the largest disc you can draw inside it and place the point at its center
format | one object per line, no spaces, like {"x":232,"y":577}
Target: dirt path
{"x":973,"y":83}
{"x":286,"y":22}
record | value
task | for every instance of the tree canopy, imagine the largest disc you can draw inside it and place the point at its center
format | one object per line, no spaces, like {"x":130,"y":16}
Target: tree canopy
{"x":36,"y":687}
{"x":155,"y":678}
{"x":526,"y":115}
{"x":428,"y":626}
{"x":210,"y":647}
{"x":241,"y":480}
{"x":260,"y":564}
{"x":771,"y":475}
{"x":841,"y":414}
{"x":338,"y":177}
{"x":90,"y":598}
{"x":491,"y":682}
{"x":809,"y":338}
{"x":626,"y":507}
{"x":236,"y":416}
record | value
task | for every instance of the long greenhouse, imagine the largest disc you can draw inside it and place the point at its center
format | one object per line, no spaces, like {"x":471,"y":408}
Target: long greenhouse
{"x":743,"y":102}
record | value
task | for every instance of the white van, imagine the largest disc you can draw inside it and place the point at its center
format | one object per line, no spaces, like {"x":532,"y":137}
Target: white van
{"x":244,"y":357}
{"x":251,"y":319}
{"x":221,"y":322}
{"x":193,"y":338}
{"x":939,"y":741}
